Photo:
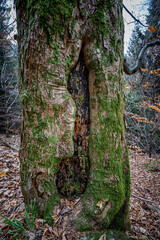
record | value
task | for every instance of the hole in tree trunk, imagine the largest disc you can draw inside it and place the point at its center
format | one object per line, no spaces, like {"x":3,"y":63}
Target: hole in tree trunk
{"x":72,"y":178}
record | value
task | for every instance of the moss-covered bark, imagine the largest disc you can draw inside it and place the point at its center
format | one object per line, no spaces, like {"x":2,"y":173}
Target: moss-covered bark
{"x":51,"y":36}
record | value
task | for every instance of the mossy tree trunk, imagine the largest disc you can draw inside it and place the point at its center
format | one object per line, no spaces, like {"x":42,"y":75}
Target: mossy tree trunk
{"x":73,"y":133}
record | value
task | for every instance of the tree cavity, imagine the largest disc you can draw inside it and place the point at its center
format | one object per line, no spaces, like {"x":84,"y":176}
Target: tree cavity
{"x":72,"y":178}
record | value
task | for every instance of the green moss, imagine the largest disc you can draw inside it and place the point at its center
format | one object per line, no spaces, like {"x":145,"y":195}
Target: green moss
{"x":52,"y":15}
{"x":47,"y":211}
{"x":53,"y":198}
{"x":52,"y":140}
{"x":68,"y":63}
{"x":109,"y":177}
{"x":60,"y":11}
{"x":110,"y":4}
{"x":72,"y":26}
{"x":111,"y":57}
{"x":101,"y":22}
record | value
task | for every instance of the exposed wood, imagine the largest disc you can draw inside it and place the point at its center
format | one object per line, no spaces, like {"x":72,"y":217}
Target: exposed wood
{"x":73,"y":175}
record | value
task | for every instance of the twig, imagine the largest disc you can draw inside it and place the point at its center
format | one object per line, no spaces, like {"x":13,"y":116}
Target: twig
{"x":153,"y":206}
{"x":8,"y":145}
{"x":137,"y":20}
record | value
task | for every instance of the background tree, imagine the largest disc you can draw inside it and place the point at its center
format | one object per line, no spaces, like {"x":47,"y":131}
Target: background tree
{"x":73,"y":136}
{"x":154,"y":13}
{"x":10,"y":113}
{"x":2,"y":54}
{"x":143,"y":96}
{"x":135,"y":45}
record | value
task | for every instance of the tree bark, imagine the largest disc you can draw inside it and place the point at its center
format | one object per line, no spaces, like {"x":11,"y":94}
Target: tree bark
{"x":73,"y":134}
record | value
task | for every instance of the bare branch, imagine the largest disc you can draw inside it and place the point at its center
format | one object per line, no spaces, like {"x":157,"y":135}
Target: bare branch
{"x":152,"y":207}
{"x":143,"y":199}
{"x":137,"y":20}
{"x":131,"y":71}
{"x":7,"y":26}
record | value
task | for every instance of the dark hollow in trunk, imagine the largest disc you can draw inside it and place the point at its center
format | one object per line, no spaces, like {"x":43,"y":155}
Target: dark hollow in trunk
{"x":72,"y":178}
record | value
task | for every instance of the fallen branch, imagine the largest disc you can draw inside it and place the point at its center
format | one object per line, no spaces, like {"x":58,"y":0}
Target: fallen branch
{"x":143,"y":199}
{"x":8,"y":144}
{"x":152,"y":207}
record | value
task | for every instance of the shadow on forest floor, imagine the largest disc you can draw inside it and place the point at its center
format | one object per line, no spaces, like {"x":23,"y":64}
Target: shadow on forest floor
{"x":144,"y":204}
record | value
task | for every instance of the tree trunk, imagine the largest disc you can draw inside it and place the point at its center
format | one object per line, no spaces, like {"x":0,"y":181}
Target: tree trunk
{"x":73,"y":134}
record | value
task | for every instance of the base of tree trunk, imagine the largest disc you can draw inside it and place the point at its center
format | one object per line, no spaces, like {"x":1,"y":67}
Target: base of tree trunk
{"x":73,"y":134}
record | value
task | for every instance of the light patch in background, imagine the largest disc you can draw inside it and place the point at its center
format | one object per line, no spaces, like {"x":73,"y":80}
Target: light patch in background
{"x":12,"y":18}
{"x":139,"y":9}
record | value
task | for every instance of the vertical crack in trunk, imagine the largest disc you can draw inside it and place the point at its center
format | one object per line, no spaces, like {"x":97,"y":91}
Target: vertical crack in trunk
{"x":72,"y":178}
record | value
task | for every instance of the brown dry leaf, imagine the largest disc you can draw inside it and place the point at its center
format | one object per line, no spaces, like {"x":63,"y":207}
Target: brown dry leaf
{"x":103,"y":237}
{"x":56,"y":210}
{"x":152,"y":29}
{"x":3,"y":174}
{"x":36,"y":225}
{"x":62,"y":200}
{"x":144,"y":221}
{"x":55,"y":231}
{"x":13,"y":202}
{"x":55,"y":218}
{"x":72,"y":205}
{"x":67,"y":202}
{"x":46,"y":232}
{"x":145,"y":184}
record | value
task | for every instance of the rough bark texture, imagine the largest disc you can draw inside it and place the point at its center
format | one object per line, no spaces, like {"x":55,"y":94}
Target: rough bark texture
{"x":69,"y":133}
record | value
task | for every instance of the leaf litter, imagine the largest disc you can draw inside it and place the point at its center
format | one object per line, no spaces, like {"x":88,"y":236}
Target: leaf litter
{"x":144,"y":202}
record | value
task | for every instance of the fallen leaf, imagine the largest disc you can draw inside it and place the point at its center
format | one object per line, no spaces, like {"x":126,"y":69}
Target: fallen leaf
{"x":56,"y":218}
{"x":65,"y":210}
{"x":100,"y":205}
{"x":142,"y":230}
{"x":67,"y":202}
{"x":3,"y":174}
{"x":103,"y":237}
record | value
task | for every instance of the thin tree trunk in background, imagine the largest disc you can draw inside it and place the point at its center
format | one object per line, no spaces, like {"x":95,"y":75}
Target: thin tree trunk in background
{"x":73,"y":135}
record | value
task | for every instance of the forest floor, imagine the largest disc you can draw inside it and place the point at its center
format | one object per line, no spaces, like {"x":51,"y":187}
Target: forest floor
{"x":144,"y":203}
